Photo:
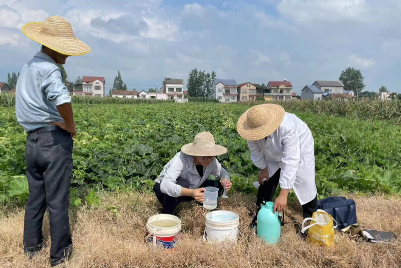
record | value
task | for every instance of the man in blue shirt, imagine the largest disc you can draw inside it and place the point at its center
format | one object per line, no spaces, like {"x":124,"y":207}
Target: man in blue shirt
{"x":43,"y":108}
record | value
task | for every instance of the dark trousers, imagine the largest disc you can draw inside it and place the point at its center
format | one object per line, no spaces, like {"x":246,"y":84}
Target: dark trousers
{"x":169,"y":203}
{"x":49,"y":171}
{"x":268,"y":188}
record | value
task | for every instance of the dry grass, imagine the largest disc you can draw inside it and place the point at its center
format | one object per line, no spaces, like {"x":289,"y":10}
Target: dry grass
{"x":103,"y":240}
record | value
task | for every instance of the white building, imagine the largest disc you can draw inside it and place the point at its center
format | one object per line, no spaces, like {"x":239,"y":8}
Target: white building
{"x":225,"y":90}
{"x":126,"y":94}
{"x":157,"y":96}
{"x":91,"y":85}
{"x":320,"y":89}
{"x":334,"y":87}
{"x":311,"y":92}
{"x":174,"y":88}
{"x":384,"y":96}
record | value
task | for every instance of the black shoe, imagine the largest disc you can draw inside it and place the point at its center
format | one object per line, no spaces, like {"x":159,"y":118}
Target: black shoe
{"x":254,"y":223}
{"x":31,"y":252}
{"x":67,"y":254}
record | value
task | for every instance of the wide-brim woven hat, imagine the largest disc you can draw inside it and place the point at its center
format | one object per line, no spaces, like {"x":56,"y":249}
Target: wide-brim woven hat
{"x":203,"y":145}
{"x":260,"y":121}
{"x":56,"y":33}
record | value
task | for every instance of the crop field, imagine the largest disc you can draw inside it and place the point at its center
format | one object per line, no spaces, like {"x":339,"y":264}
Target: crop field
{"x":122,"y":145}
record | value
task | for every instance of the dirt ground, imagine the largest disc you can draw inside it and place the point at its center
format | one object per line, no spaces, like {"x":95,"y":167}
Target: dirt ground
{"x":103,"y":239}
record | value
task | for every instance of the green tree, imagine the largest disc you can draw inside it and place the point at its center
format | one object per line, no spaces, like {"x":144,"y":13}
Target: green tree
{"x":383,"y":89}
{"x":192,"y":86}
{"x":12,"y":80}
{"x":152,"y":90}
{"x":368,"y":94}
{"x":63,"y":73}
{"x":118,"y":83}
{"x":200,"y":84}
{"x":78,"y":84}
{"x":352,"y":79}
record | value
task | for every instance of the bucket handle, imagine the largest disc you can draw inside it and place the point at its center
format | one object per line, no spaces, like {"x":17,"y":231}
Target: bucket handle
{"x":281,"y":217}
{"x":154,"y":238}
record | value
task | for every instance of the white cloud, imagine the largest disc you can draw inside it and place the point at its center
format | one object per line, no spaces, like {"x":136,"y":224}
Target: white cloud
{"x":10,"y":17}
{"x":285,"y":58}
{"x":269,"y":21}
{"x":259,"y":58}
{"x":194,"y":11}
{"x":16,"y":18}
{"x":38,"y":15}
{"x":313,"y":11}
{"x":162,"y":30}
{"x":120,"y":27}
{"x":392,"y":47}
{"x":7,"y":37}
{"x":359,"y":62}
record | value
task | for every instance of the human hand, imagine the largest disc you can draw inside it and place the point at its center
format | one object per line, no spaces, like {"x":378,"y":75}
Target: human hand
{"x":69,"y":128}
{"x":226,"y":183}
{"x":280,"y":203}
{"x":263,"y":175}
{"x":198,"y":194}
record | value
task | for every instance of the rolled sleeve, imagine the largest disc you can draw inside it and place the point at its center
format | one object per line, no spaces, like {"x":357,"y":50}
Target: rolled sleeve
{"x":54,"y":88}
{"x":169,"y":175}
{"x":219,"y":171}
{"x":290,"y":160}
{"x":257,"y":155}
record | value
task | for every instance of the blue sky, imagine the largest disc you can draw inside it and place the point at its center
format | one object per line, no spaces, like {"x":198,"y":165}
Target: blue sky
{"x":255,"y":40}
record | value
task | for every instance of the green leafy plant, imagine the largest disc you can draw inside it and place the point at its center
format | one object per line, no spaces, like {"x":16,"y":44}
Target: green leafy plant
{"x":92,"y":199}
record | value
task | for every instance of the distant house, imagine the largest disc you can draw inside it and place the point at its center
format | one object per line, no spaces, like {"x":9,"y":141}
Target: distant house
{"x":334,"y":87}
{"x":126,"y":94}
{"x":81,"y":93}
{"x":311,"y":92}
{"x":278,"y":90}
{"x":94,"y":85}
{"x":326,"y":89}
{"x":174,"y":88}
{"x":295,"y":96}
{"x":384,"y":95}
{"x":246,"y":92}
{"x":225,"y":90}
{"x":157,"y":96}
{"x":142,"y":94}
{"x":4,"y":88}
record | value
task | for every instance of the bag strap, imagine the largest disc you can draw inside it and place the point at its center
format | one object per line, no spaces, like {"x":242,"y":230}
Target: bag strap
{"x":309,"y":226}
{"x":332,"y":199}
{"x":312,"y":219}
{"x":338,"y":215}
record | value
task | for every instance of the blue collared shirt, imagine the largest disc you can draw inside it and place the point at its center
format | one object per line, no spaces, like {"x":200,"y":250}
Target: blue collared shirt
{"x":39,"y":91}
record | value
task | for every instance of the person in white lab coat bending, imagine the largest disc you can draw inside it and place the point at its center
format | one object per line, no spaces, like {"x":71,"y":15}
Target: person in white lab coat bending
{"x":282,"y":147}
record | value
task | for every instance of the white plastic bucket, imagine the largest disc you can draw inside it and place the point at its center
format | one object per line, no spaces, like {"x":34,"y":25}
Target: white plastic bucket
{"x":221,"y":226}
{"x":164,"y":236}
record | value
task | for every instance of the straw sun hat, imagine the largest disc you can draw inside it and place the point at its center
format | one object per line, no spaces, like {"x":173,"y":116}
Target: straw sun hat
{"x":260,"y":121}
{"x":203,"y":145}
{"x":56,"y":33}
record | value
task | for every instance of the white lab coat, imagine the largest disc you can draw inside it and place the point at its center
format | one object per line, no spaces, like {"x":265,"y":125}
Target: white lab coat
{"x":290,"y":148}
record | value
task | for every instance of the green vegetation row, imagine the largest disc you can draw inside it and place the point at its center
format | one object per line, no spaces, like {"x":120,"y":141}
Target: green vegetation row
{"x":368,"y":109}
{"x":123,"y":146}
